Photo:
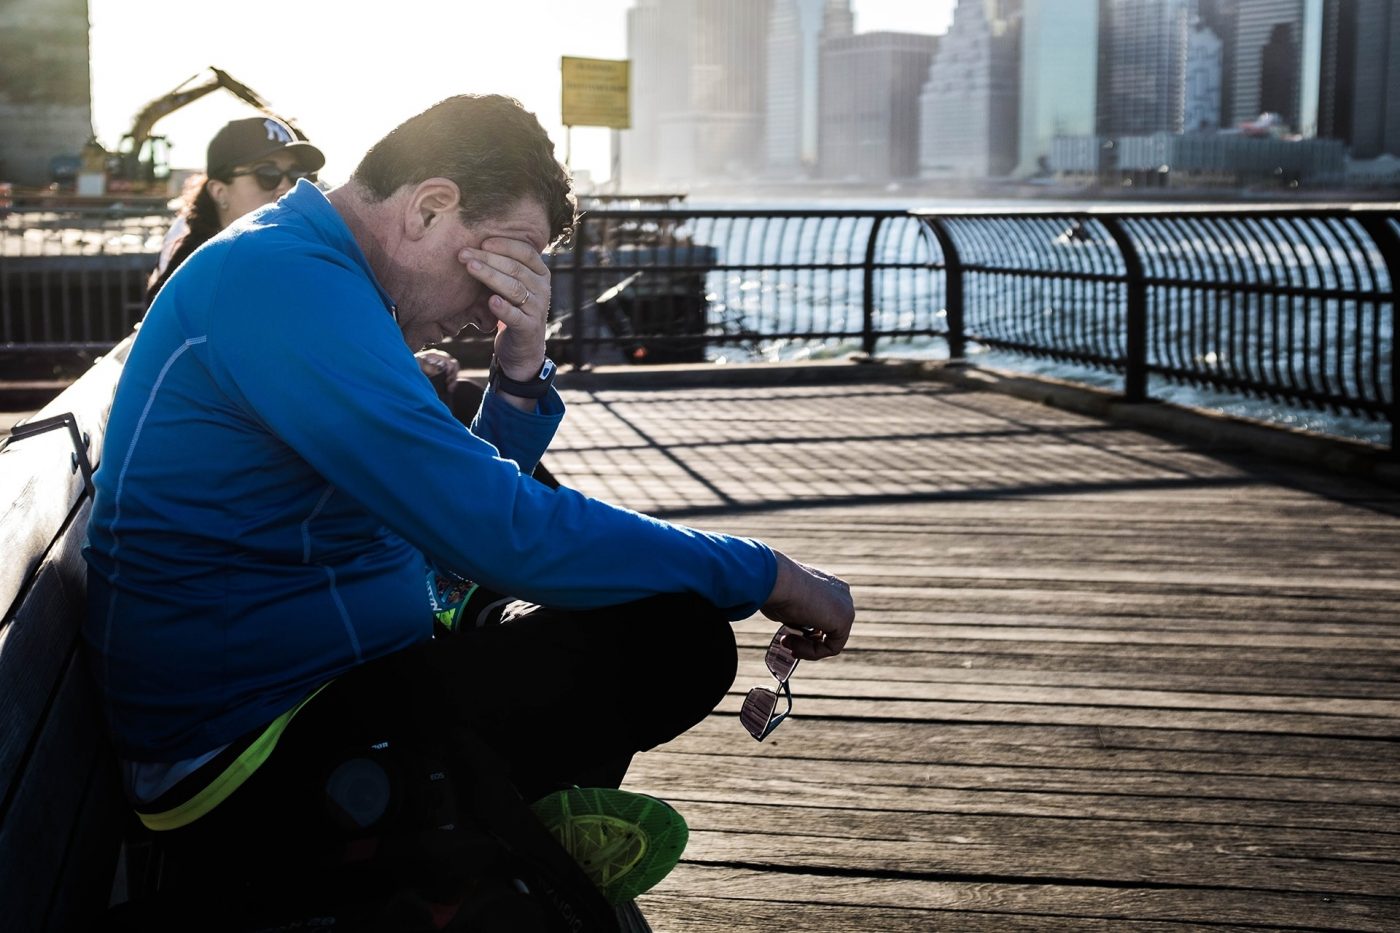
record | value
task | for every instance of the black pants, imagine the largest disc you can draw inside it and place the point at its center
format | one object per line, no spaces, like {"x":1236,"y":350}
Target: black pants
{"x":562,"y":697}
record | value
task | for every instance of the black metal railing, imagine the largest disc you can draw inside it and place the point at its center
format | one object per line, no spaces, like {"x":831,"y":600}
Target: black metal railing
{"x":1295,"y":306}
{"x":756,"y":284}
{"x":74,"y":279}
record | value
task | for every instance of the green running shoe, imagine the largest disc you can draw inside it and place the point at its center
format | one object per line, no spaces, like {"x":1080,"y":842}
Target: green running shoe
{"x":624,"y":842}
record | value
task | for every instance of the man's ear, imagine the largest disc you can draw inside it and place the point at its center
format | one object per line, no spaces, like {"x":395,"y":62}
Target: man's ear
{"x":431,"y":201}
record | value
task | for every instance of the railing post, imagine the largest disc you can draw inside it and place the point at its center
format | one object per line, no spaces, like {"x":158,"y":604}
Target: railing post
{"x":580,"y":251}
{"x":1377,"y":226}
{"x":952,"y":288}
{"x":867,"y":330}
{"x":1135,"y":361}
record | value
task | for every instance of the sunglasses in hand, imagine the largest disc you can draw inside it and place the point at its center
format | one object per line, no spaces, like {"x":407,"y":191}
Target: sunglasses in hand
{"x":269,"y":176}
{"x":761,"y":704}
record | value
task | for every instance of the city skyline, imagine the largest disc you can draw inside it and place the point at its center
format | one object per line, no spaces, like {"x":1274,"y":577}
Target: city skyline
{"x":745,"y":92}
{"x":346,"y":94}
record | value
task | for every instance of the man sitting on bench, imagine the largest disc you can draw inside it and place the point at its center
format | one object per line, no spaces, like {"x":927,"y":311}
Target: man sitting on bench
{"x":285,"y":504}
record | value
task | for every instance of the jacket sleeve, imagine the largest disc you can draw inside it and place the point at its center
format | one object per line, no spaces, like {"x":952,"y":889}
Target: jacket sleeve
{"x":321,"y":364}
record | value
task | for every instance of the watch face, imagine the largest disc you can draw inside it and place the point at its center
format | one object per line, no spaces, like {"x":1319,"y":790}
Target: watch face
{"x":536,"y":387}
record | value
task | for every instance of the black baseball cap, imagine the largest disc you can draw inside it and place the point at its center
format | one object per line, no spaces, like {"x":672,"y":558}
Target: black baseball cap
{"x":242,"y":142}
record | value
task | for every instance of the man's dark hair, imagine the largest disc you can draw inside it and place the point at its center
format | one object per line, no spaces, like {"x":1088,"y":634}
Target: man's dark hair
{"x":490,"y":146}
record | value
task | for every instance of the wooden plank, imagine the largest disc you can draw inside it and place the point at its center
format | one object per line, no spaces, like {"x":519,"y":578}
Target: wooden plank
{"x":858,"y":665}
{"x":920,"y":844}
{"x":704,"y":897}
{"x":1084,"y":748}
{"x":834,"y":686}
{"x":1058,"y":793}
{"x":817,"y":707}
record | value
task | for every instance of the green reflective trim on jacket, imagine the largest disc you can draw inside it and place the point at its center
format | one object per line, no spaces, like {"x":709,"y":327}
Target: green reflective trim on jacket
{"x":228,"y":780}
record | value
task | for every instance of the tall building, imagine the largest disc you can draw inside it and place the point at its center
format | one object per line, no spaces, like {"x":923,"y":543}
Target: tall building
{"x":794,"y":42}
{"x":1204,"y":67}
{"x":837,"y":20}
{"x":1279,"y":73}
{"x":699,"y":81}
{"x":868,"y":129}
{"x":1271,"y":71}
{"x":45,"y":86}
{"x":1221,"y":17}
{"x":1142,"y":67}
{"x":968,"y":108}
{"x":1359,"y":85}
{"x":1059,"y":54}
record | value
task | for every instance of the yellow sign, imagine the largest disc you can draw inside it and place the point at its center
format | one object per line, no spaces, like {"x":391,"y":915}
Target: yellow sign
{"x":596,"y":92}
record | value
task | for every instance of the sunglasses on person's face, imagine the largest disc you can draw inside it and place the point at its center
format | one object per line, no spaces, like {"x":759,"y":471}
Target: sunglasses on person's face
{"x":757,"y":713}
{"x":269,"y":176}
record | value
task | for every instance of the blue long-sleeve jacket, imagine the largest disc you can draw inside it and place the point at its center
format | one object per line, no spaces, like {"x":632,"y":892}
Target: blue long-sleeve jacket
{"x":276,"y":471}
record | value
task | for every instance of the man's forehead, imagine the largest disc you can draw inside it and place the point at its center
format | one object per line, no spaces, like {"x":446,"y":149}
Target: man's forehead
{"x":526,"y":221}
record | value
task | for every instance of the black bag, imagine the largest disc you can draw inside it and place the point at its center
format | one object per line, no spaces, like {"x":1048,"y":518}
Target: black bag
{"x":421,"y":840}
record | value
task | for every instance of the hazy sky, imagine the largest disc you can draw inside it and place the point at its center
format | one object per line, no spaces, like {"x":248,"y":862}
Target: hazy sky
{"x":348,"y":71}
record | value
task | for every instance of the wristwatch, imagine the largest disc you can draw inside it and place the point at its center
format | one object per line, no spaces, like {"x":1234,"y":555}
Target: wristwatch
{"x":535,"y":387}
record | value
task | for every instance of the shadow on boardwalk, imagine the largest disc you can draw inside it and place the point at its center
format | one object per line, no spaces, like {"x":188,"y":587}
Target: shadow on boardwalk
{"x":1099,"y":681}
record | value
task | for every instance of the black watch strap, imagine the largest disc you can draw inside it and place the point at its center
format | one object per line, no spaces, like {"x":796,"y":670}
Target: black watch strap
{"x":536,"y":387}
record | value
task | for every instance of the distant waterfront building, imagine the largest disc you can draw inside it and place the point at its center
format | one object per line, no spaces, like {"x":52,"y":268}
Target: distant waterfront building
{"x":699,"y":82}
{"x":794,"y":43}
{"x":968,"y":109}
{"x":870,"y":105}
{"x":45,"y":87}
{"x":1142,"y":67}
{"x":1277,"y":56}
{"x":1059,"y":54}
{"x":1359,"y":86}
{"x":1077,"y":157}
{"x":1204,"y":159}
{"x":1204,"y":61}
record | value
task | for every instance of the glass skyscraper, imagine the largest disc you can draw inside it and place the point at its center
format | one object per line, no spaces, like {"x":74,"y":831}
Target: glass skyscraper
{"x":1059,"y":53}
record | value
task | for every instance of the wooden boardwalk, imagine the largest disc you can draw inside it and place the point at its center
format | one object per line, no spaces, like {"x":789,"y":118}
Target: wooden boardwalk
{"x":1098,"y":680}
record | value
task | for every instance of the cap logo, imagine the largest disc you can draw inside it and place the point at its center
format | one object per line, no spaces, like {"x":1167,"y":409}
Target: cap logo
{"x":276,"y":132}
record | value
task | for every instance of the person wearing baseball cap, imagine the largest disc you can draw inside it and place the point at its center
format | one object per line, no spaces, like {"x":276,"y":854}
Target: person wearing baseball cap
{"x":250,"y":162}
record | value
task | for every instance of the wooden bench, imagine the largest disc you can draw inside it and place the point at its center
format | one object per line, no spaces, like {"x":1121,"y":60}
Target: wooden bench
{"x":61,"y":809}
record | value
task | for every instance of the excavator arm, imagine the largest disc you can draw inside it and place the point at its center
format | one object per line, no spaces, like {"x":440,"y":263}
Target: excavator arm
{"x":189,"y":90}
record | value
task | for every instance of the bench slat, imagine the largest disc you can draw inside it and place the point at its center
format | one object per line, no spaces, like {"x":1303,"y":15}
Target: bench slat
{"x":35,"y":649}
{"x":38,"y":488}
{"x":38,"y":484}
{"x":62,"y":830}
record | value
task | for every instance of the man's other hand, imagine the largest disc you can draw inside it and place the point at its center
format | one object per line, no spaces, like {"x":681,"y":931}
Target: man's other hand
{"x":806,"y":598}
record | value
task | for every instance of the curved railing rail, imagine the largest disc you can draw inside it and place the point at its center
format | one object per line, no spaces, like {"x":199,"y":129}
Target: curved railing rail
{"x":1294,"y":305}
{"x":761,"y":284}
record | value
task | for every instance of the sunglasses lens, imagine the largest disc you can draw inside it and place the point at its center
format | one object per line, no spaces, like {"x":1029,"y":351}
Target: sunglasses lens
{"x":780,"y":661}
{"x":757,"y":711}
{"x":268,"y":176}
